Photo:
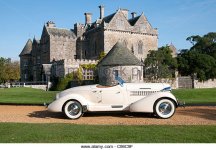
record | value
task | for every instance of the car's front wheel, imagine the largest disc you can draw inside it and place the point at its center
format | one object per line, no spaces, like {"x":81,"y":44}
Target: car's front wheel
{"x":164,"y":108}
{"x":73,"y":109}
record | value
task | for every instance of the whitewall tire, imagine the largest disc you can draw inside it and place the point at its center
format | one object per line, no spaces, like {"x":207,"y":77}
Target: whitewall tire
{"x":164,"y":108}
{"x":73,"y":109}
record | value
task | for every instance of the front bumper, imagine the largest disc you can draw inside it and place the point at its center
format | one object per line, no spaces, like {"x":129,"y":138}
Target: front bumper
{"x":55,"y":106}
{"x":181,"y":103}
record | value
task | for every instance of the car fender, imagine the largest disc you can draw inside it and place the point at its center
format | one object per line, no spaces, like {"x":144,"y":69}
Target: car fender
{"x":147,"y":104}
{"x":57,"y":105}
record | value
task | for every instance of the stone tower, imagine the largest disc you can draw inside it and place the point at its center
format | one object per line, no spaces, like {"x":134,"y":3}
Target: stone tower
{"x":121,"y":62}
{"x":25,"y":62}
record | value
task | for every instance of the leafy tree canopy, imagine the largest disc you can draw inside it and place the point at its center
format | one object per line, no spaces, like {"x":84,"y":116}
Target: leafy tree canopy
{"x":160,"y":63}
{"x":9,"y":70}
{"x":193,"y":63}
{"x":205,"y":44}
{"x":200,"y":59}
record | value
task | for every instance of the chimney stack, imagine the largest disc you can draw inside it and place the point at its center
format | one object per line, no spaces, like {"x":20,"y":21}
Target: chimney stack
{"x":133,"y":14}
{"x":50,"y":24}
{"x":88,"y":18}
{"x":101,"y":11}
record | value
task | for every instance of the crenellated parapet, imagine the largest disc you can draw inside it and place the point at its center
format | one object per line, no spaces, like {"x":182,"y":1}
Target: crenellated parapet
{"x":76,"y":61}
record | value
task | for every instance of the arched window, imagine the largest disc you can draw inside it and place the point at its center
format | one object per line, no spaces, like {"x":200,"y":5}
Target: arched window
{"x":140,"y":47}
{"x":132,"y":49}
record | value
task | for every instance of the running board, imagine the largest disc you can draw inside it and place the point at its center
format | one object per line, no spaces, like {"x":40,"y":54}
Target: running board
{"x":117,"y":106}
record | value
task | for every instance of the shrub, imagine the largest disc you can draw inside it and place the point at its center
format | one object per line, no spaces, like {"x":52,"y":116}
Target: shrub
{"x":63,"y":83}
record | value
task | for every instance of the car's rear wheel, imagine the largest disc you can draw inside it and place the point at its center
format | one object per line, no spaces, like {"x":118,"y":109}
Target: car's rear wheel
{"x":164,"y":108}
{"x":73,"y":109}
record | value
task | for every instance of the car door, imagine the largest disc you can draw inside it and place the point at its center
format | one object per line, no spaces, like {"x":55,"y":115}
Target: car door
{"x":113,"y":96}
{"x":96,"y":95}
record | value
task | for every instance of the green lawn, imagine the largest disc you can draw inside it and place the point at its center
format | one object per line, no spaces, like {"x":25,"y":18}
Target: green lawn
{"x":196,"y":96}
{"x":26,"y":96}
{"x":35,"y":96}
{"x":69,"y":133}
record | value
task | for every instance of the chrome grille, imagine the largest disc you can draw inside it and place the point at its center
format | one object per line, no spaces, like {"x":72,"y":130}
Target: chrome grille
{"x":141,"y":93}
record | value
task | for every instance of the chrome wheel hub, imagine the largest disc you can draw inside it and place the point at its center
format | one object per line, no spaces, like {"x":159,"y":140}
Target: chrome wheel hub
{"x":73,"y":109}
{"x":165,"y":108}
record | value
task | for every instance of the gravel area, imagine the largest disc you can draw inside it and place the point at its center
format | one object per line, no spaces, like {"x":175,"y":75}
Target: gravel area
{"x":196,"y":115}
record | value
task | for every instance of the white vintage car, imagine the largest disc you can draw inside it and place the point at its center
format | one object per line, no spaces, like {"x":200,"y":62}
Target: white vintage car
{"x":133,"y":97}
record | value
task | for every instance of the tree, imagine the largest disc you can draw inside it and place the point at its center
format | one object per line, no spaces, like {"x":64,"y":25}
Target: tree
{"x":200,"y":59}
{"x":160,"y":64}
{"x":12,"y":71}
{"x":193,"y":63}
{"x":9,"y":70}
{"x":205,"y":44}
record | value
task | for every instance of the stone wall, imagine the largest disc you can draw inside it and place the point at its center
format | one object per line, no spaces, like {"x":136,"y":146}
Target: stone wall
{"x":95,"y":42}
{"x":42,"y":87}
{"x":62,"y":48}
{"x":206,"y":84}
{"x":63,"y":67}
{"x":129,"y":74}
{"x":173,"y":82}
{"x":131,"y":40}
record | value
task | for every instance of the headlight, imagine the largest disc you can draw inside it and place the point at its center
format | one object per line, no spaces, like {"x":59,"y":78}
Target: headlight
{"x":167,"y":89}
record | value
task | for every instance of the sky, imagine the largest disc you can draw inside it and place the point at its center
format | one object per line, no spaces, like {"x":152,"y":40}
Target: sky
{"x":175,"y":19}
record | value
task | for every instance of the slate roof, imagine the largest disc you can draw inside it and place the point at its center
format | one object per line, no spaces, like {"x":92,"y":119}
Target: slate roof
{"x":61,"y":32}
{"x":132,"y":21}
{"x":120,"y":55}
{"x":36,"y":41}
{"x":107,"y":19}
{"x":27,"y":49}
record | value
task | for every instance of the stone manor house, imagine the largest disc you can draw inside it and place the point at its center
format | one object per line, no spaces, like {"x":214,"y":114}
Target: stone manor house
{"x":60,"y":51}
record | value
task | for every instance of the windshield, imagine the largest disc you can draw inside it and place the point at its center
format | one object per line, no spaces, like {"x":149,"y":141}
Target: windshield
{"x":120,"y":80}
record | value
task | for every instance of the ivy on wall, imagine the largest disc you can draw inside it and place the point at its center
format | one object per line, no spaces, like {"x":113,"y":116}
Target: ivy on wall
{"x":89,"y":66}
{"x":79,"y":75}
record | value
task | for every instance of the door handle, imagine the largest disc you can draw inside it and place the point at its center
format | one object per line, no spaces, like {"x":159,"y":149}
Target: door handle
{"x":96,"y":91}
{"x":118,"y":92}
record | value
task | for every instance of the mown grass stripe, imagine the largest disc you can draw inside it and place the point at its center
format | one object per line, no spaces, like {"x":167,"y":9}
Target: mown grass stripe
{"x":69,"y":133}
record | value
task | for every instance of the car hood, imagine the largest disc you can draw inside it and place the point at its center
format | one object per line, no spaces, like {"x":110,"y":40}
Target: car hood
{"x":147,"y":86}
{"x":74,"y":90}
